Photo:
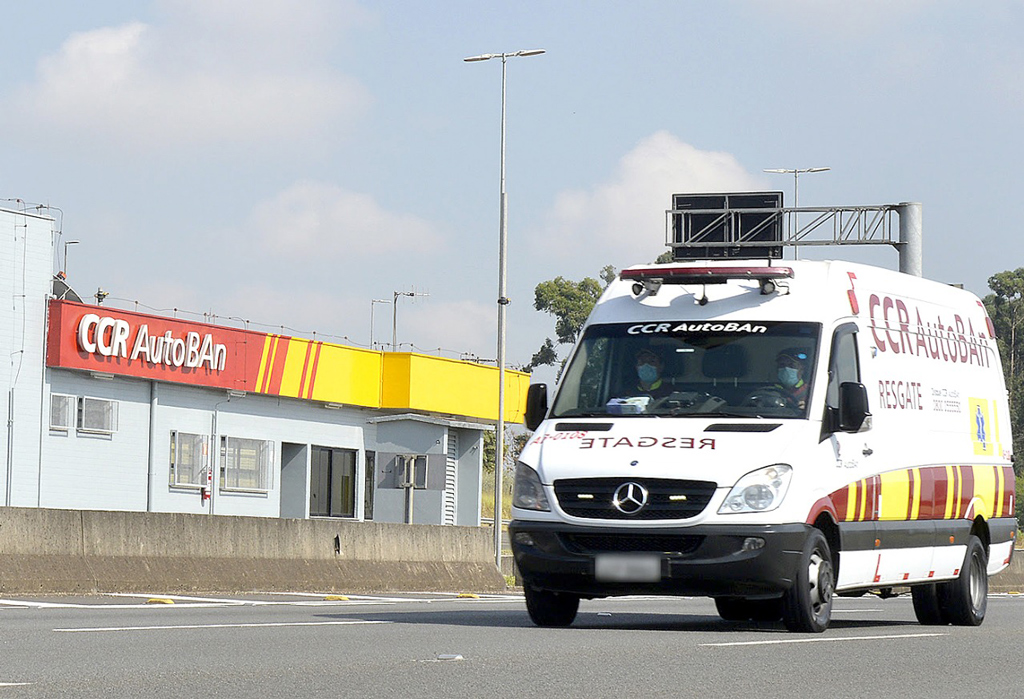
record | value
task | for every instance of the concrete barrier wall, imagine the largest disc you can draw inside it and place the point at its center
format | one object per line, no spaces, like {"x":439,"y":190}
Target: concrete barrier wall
{"x":1012,"y":578}
{"x":85,"y":551}
{"x":45,"y":550}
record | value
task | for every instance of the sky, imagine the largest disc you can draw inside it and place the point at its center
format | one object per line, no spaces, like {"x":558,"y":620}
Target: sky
{"x":289,"y":163}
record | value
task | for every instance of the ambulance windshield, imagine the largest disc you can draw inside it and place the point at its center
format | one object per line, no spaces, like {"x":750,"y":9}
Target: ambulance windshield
{"x":691,"y":368}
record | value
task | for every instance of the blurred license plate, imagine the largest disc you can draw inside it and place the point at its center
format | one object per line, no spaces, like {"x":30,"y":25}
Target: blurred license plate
{"x":615,"y":568}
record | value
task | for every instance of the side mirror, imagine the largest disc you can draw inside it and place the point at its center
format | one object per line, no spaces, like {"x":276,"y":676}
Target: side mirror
{"x":536,"y":405}
{"x":853,"y":406}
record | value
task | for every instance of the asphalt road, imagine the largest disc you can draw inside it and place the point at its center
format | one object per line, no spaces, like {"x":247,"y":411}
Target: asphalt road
{"x":430,"y":645}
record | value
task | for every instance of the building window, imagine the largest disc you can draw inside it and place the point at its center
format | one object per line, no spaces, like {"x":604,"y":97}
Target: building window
{"x":62,"y":412}
{"x":332,"y":482}
{"x":188,"y":460}
{"x":369,"y":482}
{"x":246,"y":464}
{"x":97,"y":415}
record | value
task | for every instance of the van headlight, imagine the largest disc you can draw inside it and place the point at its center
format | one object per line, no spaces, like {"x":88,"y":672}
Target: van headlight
{"x":528,"y":492}
{"x":758,"y":491}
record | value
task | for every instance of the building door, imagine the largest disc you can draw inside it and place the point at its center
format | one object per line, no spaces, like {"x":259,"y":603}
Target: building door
{"x":332,"y":482}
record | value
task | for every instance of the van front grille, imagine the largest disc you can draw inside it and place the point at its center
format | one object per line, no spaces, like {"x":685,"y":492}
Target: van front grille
{"x":593,"y":498}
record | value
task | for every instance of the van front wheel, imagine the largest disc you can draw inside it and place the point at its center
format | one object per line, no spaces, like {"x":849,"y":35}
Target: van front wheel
{"x":807,"y":606}
{"x":551,"y":608}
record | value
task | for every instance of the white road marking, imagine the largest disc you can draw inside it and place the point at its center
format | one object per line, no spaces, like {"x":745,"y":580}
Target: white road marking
{"x":221,"y":626}
{"x":15,"y":684}
{"x":183,"y":598}
{"x":821,"y":640}
{"x":26,"y":604}
{"x":193,"y":602}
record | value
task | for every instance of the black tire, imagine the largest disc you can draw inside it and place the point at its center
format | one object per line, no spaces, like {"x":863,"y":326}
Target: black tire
{"x":964,"y":601}
{"x":742,"y":609}
{"x":551,"y":608}
{"x":926,"y":605}
{"x":766,"y":609}
{"x":807,"y":605}
{"x":732,"y":608}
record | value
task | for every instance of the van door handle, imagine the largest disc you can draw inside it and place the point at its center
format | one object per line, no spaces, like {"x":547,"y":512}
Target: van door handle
{"x":867,"y":451}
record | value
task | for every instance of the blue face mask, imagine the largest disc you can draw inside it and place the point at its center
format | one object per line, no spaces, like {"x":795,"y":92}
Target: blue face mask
{"x":788,"y":376}
{"x":647,"y":373}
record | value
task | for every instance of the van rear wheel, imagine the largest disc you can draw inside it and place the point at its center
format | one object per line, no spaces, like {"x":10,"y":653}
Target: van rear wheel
{"x":807,"y":605}
{"x":551,"y":608}
{"x":963,"y":601}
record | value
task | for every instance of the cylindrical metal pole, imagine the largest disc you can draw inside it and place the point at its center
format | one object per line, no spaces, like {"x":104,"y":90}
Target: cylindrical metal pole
{"x":394,"y":323}
{"x":499,"y":450}
{"x":911,"y":233}
{"x":796,"y":205}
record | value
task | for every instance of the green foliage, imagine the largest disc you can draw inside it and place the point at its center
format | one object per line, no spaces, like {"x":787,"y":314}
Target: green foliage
{"x":570,"y":302}
{"x":513,"y":446}
{"x":1006,"y":309}
{"x":547,"y":355}
{"x":664,"y":258}
{"x":514,"y":443}
{"x":608,"y":274}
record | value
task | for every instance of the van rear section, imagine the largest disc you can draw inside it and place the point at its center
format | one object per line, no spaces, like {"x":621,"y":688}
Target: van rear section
{"x":770,"y":435}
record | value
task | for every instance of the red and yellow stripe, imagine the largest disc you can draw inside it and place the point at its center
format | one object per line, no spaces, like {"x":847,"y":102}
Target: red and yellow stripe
{"x":931,"y":492}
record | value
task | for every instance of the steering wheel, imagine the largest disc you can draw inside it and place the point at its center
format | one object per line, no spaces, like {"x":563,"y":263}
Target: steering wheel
{"x":769,"y":397}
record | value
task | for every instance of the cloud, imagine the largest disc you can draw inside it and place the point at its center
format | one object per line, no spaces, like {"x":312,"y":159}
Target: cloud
{"x":315,"y":220}
{"x":622,"y":221}
{"x":839,"y":19}
{"x":456,"y":327}
{"x":197,"y":80}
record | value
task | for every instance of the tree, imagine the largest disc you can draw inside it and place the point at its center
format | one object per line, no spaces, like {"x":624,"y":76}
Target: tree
{"x":571,"y":303}
{"x":1006,"y":309}
{"x":514,"y":444}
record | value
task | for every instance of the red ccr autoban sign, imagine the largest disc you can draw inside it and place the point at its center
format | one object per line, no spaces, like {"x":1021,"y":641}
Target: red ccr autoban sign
{"x":111,"y":337}
{"x":127,"y":343}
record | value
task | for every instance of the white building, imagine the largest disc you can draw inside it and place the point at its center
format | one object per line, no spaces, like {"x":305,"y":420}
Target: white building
{"x":112,"y":409}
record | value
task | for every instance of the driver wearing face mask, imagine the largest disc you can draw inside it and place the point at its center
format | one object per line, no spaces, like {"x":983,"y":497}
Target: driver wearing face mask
{"x":791,"y":365}
{"x":649,"y":376}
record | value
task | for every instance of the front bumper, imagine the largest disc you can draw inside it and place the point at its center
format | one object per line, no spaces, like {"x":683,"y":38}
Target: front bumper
{"x":707,"y":560}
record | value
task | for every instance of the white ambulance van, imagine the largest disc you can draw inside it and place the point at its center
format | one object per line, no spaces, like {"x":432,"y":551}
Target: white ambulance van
{"x":770,"y":434}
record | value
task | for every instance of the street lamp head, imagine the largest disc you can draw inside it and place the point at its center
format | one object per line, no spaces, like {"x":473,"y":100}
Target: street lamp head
{"x":795,"y":171}
{"x":503,"y":56}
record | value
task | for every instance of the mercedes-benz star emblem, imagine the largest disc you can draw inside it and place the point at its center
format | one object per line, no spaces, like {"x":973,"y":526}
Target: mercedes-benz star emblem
{"x":630,"y":498}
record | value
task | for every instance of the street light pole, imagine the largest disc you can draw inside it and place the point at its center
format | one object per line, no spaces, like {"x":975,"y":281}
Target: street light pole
{"x":796,"y":172}
{"x":499,"y":452}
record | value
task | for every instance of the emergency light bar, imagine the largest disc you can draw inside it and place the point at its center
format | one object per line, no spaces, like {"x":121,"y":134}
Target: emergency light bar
{"x":650,"y":279}
{"x":705,"y":275}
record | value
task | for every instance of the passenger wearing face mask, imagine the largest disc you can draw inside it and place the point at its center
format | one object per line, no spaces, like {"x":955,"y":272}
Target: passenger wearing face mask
{"x":791,"y":365}
{"x":649,"y":377}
